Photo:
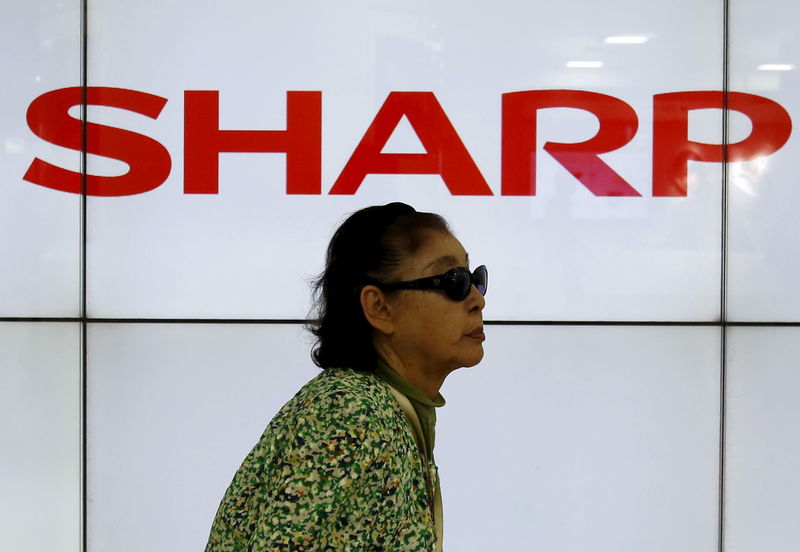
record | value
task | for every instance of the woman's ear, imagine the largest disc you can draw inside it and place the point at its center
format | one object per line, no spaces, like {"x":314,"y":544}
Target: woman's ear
{"x":376,"y":309}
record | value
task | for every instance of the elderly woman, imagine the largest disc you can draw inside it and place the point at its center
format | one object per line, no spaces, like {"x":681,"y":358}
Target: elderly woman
{"x":347,"y":464}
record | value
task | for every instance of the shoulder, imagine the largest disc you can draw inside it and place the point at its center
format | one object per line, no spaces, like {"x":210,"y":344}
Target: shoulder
{"x":345,"y":398}
{"x":336,"y":400}
{"x":349,"y":391}
{"x":336,"y":460}
{"x":306,"y":472}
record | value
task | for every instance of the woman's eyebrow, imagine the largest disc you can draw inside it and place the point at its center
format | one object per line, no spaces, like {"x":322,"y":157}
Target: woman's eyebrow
{"x":445,"y":260}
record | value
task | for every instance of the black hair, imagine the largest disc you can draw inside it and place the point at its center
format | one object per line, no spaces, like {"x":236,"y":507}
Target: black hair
{"x":370,"y":245}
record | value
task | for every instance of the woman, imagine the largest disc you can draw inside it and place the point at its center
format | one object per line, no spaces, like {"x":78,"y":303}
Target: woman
{"x":347,"y":464}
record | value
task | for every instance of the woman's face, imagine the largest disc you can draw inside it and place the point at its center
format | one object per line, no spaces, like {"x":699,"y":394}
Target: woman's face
{"x":433,"y":331}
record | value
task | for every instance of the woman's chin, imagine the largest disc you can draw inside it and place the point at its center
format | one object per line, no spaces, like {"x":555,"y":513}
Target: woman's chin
{"x":474,"y":358}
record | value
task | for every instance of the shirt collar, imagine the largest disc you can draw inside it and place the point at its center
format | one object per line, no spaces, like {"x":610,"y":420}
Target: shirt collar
{"x":404,"y":386}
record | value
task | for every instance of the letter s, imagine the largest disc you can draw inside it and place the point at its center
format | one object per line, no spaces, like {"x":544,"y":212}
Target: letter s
{"x":149,"y":162}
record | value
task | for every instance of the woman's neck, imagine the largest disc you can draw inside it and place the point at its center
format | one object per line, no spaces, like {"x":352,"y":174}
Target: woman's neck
{"x":428,"y":381}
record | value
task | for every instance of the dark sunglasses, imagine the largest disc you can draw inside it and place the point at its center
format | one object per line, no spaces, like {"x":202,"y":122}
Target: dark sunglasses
{"x":456,"y":282}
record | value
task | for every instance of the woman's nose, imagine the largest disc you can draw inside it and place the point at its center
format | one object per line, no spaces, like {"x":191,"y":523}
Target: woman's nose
{"x":475,"y":301}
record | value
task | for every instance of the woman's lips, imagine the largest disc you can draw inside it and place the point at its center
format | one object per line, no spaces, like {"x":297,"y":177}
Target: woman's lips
{"x":477,"y":334}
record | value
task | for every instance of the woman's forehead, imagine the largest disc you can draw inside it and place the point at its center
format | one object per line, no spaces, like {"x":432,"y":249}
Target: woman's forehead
{"x":440,"y":251}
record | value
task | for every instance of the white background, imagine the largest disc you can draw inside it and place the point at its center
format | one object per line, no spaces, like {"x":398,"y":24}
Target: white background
{"x":763,"y":443}
{"x":40,"y":228}
{"x":40,"y":431}
{"x":562,"y":436}
{"x":763,"y":249}
{"x":601,"y":436}
{"x":583,"y":257}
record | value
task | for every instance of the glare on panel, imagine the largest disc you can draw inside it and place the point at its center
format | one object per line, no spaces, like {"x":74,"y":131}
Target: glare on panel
{"x":584,"y":64}
{"x":775,"y":67}
{"x":626,"y":39}
{"x":747,"y":176}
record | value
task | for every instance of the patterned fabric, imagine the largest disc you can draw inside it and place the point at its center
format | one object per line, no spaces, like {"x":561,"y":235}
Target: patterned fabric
{"x":336,"y":469}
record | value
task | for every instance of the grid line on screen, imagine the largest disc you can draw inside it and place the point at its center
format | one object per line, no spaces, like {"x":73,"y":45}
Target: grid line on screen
{"x":723,"y":270}
{"x":84,"y":79}
{"x":84,"y":321}
{"x":89,"y":320}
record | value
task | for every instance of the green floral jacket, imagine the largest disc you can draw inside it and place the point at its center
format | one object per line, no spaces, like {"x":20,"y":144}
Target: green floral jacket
{"x":336,"y":469}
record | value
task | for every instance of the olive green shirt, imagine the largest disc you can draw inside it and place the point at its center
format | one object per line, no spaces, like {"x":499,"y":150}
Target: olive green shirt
{"x":424,"y":406}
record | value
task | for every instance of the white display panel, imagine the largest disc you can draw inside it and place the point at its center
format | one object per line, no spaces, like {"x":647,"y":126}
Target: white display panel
{"x":40,"y":227}
{"x":764,"y":256}
{"x":762,"y":442}
{"x":40,"y":432}
{"x":600,"y":437}
{"x":173,"y":410}
{"x":584,"y":438}
{"x":564,"y":253}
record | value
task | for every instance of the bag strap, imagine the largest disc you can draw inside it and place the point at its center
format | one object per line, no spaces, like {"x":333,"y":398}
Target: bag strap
{"x":411,"y":416}
{"x":413,"y":419}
